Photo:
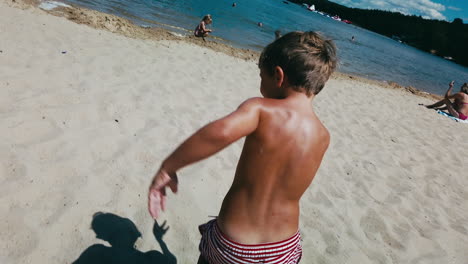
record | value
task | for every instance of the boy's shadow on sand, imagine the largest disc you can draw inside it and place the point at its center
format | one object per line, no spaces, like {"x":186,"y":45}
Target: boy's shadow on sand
{"x":122,"y":234}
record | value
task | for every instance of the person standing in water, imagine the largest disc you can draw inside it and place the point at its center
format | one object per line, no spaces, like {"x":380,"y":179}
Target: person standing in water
{"x":277,"y":34}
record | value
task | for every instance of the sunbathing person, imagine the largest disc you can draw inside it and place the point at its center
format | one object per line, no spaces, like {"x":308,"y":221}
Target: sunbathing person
{"x":459,"y":107}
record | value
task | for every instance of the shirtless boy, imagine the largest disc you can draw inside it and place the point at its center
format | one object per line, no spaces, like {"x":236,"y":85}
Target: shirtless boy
{"x":284,"y":145}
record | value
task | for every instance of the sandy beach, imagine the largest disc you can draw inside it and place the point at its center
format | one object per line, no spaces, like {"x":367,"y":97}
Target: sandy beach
{"x":88,"y":112}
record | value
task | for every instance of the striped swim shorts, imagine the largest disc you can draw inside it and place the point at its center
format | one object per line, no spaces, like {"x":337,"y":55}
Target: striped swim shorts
{"x":216,"y":248}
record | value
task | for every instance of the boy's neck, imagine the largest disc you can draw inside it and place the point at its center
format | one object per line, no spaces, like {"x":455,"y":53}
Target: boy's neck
{"x":290,"y":93}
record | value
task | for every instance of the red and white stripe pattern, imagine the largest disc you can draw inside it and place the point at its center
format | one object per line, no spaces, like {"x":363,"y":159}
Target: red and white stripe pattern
{"x":216,"y":248}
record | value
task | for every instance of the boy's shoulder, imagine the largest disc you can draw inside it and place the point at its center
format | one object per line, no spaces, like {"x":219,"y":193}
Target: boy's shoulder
{"x":252,"y":103}
{"x":259,"y":105}
{"x":260,"y":101}
{"x":254,"y":100}
{"x":263,"y":106}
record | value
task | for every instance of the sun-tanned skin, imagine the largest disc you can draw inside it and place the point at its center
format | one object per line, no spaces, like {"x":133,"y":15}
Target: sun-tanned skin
{"x":460,"y":104}
{"x":284,"y":147}
{"x":277,"y":164}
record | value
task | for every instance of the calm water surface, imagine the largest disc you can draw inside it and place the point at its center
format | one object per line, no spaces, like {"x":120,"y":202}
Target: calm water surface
{"x":371,"y":55}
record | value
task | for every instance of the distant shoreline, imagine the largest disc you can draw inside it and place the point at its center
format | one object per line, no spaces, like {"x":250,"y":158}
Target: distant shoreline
{"x":125,"y":27}
{"x":405,"y":29}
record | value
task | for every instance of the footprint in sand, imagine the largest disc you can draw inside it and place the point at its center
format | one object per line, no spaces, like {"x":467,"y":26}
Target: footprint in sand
{"x":374,"y":226}
{"x":12,"y":173}
{"x":43,"y":130}
{"x":22,"y":239}
{"x":332,"y":242}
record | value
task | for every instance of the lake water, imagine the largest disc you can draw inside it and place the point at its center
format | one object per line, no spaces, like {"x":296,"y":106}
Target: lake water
{"x":370,"y":55}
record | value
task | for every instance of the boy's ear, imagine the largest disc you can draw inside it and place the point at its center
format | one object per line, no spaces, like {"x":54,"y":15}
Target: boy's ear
{"x":279,"y":76}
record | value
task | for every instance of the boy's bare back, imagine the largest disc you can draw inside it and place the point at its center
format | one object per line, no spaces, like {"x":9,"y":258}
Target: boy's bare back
{"x":284,"y":146}
{"x":278,"y":162}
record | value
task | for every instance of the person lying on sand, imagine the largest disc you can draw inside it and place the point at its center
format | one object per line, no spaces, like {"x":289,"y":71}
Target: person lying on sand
{"x":459,"y":107}
{"x":201,"y":30}
{"x":284,"y":146}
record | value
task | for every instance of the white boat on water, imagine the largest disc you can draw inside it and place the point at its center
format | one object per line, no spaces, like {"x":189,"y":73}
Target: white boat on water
{"x":310,"y":8}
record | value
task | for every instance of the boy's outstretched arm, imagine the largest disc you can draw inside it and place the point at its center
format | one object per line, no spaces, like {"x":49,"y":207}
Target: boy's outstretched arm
{"x":205,"y":142}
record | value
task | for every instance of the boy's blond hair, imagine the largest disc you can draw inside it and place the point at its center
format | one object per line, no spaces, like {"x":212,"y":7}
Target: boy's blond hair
{"x":307,"y":60}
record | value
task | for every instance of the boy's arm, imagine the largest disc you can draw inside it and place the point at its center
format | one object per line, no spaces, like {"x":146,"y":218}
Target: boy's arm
{"x":205,"y":142}
{"x":215,"y":136}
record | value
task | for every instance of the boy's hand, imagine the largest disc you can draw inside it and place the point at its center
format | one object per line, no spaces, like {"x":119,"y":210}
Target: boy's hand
{"x":157,"y":191}
{"x":451,"y":84}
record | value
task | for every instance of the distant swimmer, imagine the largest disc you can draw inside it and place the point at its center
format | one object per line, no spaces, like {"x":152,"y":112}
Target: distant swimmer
{"x":277,"y":34}
{"x":352,"y":38}
{"x":260,"y":24}
{"x":201,"y":31}
{"x":234,"y":4}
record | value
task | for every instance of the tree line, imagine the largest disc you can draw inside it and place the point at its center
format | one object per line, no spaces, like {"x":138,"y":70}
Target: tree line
{"x":442,"y":38}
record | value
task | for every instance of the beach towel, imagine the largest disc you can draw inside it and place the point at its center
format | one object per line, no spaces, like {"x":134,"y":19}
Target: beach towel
{"x":452,"y":117}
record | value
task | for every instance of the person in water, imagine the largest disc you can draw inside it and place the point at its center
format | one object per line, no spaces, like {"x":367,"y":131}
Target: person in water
{"x":201,"y":31}
{"x":459,"y":107}
{"x":277,"y":34}
{"x":284,"y":146}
